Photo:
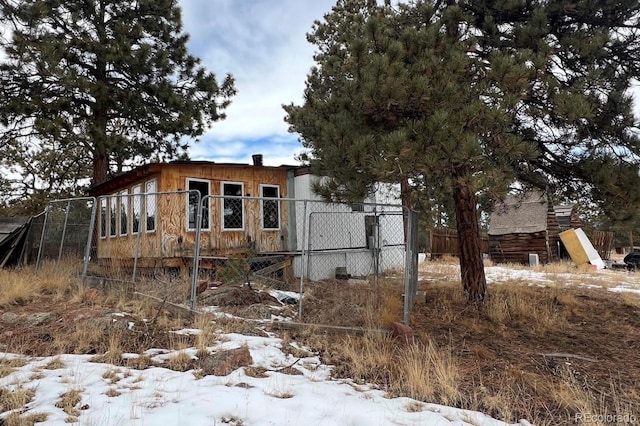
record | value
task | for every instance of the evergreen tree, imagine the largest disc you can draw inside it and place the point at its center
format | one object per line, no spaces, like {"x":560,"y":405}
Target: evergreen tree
{"x":473,"y":95}
{"x":107,"y":83}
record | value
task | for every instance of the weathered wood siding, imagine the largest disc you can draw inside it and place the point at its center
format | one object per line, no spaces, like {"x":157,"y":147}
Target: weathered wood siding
{"x":515,"y":248}
{"x":172,"y":238}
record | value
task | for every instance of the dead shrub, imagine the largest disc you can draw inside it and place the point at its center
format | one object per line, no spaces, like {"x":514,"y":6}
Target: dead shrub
{"x":14,"y":399}
{"x":182,"y":361}
{"x":68,"y":402}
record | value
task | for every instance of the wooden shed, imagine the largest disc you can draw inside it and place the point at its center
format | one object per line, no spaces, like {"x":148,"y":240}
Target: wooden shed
{"x":521,"y":226}
{"x":567,"y":216}
{"x":151,"y":211}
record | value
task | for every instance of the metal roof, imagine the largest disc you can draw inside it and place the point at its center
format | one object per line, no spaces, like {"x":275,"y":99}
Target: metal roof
{"x":12,"y":229}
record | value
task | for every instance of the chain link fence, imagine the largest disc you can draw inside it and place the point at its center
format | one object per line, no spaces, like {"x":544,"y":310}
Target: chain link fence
{"x":202,"y":251}
{"x":62,"y":232}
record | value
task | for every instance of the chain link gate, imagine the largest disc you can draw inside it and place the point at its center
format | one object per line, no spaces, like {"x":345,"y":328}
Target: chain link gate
{"x":241,"y":240}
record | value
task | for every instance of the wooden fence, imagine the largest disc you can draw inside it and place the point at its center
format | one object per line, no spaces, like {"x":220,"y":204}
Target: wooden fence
{"x":603,"y":242}
{"x":444,"y":241}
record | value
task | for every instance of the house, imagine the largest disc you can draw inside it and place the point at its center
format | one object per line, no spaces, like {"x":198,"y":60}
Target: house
{"x":152,"y":210}
{"x":148,"y":216}
{"x":521,"y":226}
{"x":364,"y":238}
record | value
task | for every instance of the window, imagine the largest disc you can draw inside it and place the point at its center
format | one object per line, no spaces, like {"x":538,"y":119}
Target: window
{"x":201,"y":186}
{"x":270,"y":208}
{"x":113,"y":215}
{"x":357,"y":207}
{"x":232,"y":209}
{"x":124,"y":212}
{"x":137,"y":209}
{"x":150,"y":205}
{"x":103,"y":218}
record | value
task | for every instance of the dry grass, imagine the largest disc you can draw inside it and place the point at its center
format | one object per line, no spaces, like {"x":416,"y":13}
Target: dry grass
{"x":114,"y":352}
{"x":17,"y":287}
{"x":112,"y":375}
{"x":182,"y":361}
{"x":370,"y":358}
{"x":55,"y":364}
{"x":69,"y":401}
{"x":30,"y":419}
{"x":484,"y":358}
{"x":20,"y":286}
{"x":12,"y":399}
{"x":511,"y":303}
{"x":57,"y":279}
{"x":112,"y":392}
{"x":487,"y":357}
{"x":8,"y":366}
{"x":141,"y":362}
{"x":207,"y":334}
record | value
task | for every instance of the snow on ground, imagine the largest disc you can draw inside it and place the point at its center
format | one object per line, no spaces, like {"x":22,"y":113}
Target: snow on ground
{"x":159,"y":396}
{"x":613,"y":280}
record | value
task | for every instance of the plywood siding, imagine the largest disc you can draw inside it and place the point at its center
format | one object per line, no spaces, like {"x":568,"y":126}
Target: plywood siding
{"x":172,"y":238}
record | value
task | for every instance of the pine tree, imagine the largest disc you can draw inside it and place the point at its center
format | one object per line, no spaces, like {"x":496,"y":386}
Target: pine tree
{"x":466,"y":94}
{"x":106,"y":82}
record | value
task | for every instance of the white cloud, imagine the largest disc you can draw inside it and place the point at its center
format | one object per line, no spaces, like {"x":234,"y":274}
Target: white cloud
{"x":263,"y":44}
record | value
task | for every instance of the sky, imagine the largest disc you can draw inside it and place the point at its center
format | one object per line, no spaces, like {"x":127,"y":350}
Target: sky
{"x":262,"y":43}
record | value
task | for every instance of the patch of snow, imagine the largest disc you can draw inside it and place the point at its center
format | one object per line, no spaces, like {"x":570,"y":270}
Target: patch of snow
{"x":161,"y":396}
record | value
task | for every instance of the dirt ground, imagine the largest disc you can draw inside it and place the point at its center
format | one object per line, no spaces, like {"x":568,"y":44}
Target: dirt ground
{"x":594,"y":343}
{"x":513,"y":364}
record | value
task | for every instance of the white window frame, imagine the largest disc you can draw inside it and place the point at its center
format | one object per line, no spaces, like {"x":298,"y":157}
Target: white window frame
{"x":208,"y":182}
{"x":277,"y":201}
{"x":150,"y":201}
{"x":104,"y":217}
{"x":222,"y":184}
{"x":123,"y":202}
{"x":137,"y":199}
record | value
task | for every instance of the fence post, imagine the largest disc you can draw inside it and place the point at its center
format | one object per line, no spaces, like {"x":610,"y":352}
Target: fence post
{"x":141,"y":200}
{"x":196,"y":253}
{"x":64,"y":232}
{"x":42,"y":237}
{"x":87,"y":249}
{"x":303,"y":258}
{"x":411,"y":264}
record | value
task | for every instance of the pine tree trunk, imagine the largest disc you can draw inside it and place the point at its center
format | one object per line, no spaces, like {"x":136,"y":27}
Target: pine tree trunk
{"x":471,"y":266}
{"x":407,"y":202}
{"x":100,"y":165}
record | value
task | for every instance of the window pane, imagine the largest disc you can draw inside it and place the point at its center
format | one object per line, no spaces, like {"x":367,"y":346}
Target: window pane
{"x":150,"y":205}
{"x":124,"y":212}
{"x":113,"y":215}
{"x":232,"y":208}
{"x":203,"y":188}
{"x":270,"y":208}
{"x":103,"y":217}
{"x":137,"y":209}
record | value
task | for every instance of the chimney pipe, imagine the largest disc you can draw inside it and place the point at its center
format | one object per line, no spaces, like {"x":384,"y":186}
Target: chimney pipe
{"x":257,"y":159}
